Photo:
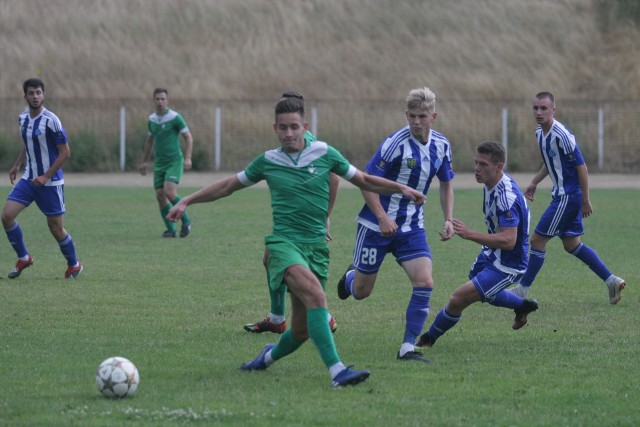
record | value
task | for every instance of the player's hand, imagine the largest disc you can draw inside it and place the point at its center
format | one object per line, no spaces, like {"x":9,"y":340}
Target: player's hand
{"x":530,"y":192}
{"x":416,"y":196}
{"x":176,"y":212}
{"x":447,"y":231}
{"x":388,"y":227}
{"x":143,"y":169}
{"x":12,"y":176}
{"x":187,"y":164}
{"x":461,"y":229}
{"x":327,"y":234}
{"x":587,"y":209}
{"x":39,"y":181}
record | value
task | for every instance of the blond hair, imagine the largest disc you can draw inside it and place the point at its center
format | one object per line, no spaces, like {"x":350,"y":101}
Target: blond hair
{"x":421,"y":99}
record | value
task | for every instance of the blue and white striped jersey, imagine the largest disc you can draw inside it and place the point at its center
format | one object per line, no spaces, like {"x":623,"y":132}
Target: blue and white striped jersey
{"x":561,"y":155}
{"x":41,"y":136}
{"x":505,"y":206}
{"x":403,"y":159}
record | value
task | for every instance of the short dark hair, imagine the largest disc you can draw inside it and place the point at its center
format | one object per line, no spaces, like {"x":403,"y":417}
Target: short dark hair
{"x":290,"y":102}
{"x":495,"y":150}
{"x":160,"y":90}
{"x":292,"y":94}
{"x":542,"y":95}
{"x":32,"y":82}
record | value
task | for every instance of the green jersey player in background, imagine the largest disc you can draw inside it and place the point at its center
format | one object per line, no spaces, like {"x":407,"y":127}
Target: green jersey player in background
{"x":298,"y":175}
{"x":165,"y":128}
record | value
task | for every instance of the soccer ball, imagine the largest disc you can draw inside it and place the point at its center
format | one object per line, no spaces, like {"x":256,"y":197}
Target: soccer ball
{"x":117,"y":377}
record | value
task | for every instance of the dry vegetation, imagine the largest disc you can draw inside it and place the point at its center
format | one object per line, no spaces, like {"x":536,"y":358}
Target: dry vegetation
{"x":329,"y":49}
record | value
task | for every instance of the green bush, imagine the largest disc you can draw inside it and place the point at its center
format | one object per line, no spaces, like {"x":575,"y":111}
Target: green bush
{"x":90,"y":154}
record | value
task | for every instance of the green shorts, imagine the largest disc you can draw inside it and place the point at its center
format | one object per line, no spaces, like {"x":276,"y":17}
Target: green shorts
{"x":283,"y":253}
{"x":171,"y":172}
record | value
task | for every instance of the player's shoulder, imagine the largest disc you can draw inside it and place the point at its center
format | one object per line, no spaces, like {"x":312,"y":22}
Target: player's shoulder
{"x":395,"y":140}
{"x":438,"y":137}
{"x":508,"y":191}
{"x":561,"y":130}
{"x":50,"y":115}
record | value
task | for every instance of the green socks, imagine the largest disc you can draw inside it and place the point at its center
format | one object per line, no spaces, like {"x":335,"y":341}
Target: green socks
{"x":171,"y":226}
{"x":185,"y":216}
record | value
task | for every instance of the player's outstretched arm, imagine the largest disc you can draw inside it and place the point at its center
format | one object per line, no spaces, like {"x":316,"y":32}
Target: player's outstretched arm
{"x":385,"y":186}
{"x":210,"y":193}
{"x":505,"y":239}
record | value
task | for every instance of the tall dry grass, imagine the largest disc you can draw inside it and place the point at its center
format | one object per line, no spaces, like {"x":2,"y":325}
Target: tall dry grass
{"x":329,"y":49}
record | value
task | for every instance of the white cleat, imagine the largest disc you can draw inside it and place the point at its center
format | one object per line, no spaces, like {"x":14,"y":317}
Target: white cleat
{"x":521,"y":291}
{"x":614,"y":290}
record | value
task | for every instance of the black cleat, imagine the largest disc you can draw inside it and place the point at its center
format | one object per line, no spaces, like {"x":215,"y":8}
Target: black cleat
{"x":185,"y":230}
{"x":425,"y":341}
{"x":529,"y":306}
{"x":413,"y":355}
{"x":169,"y":234}
{"x":343,"y":293}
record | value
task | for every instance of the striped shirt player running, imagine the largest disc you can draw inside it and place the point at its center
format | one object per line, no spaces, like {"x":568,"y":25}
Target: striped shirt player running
{"x":413,"y":155}
{"x":45,"y":150}
{"x":505,"y":247}
{"x":570,"y":202}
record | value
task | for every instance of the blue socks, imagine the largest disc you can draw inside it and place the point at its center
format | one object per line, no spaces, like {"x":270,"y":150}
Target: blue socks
{"x":416,"y":315}
{"x":350,"y":278}
{"x":587,"y":255}
{"x":68,"y":250}
{"x":14,"y":234}
{"x":536,"y":259}
{"x":442,"y":323}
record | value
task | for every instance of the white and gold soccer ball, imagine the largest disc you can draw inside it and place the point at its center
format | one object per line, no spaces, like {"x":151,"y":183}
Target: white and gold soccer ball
{"x":117,"y":377}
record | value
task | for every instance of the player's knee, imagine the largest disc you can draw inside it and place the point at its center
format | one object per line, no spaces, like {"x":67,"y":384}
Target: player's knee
{"x":426,"y":282}
{"x":457,"y":303}
{"x":300,"y":334}
{"x":362,"y":291}
{"x":7,"y":220}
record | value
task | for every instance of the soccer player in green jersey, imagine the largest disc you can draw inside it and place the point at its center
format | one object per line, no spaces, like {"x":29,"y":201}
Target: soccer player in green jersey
{"x":275,"y":322}
{"x":165,"y":128}
{"x":298,"y":174}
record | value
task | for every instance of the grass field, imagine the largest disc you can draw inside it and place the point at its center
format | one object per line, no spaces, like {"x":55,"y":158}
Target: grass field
{"x":176,"y":309}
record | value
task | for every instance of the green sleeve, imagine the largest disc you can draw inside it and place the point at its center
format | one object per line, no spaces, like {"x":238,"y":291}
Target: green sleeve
{"x":340,"y":165}
{"x":255,"y":171}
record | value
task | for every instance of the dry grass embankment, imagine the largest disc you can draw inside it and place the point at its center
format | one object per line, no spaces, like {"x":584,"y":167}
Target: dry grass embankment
{"x":329,"y":49}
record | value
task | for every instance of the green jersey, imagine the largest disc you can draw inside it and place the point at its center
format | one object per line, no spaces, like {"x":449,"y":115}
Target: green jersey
{"x":299,"y":185}
{"x":166,"y":130}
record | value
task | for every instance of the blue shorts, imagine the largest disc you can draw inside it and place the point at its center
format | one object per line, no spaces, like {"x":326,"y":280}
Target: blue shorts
{"x":563,"y":217}
{"x":50,"y":199}
{"x":372,"y":247}
{"x":488,"y":280}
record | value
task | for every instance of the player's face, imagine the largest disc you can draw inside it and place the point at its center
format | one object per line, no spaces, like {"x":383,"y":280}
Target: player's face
{"x":161,"y":101}
{"x":487,"y":172}
{"x":543,"y":111}
{"x":290,"y":129}
{"x":34,"y":97}
{"x":420,"y":121}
